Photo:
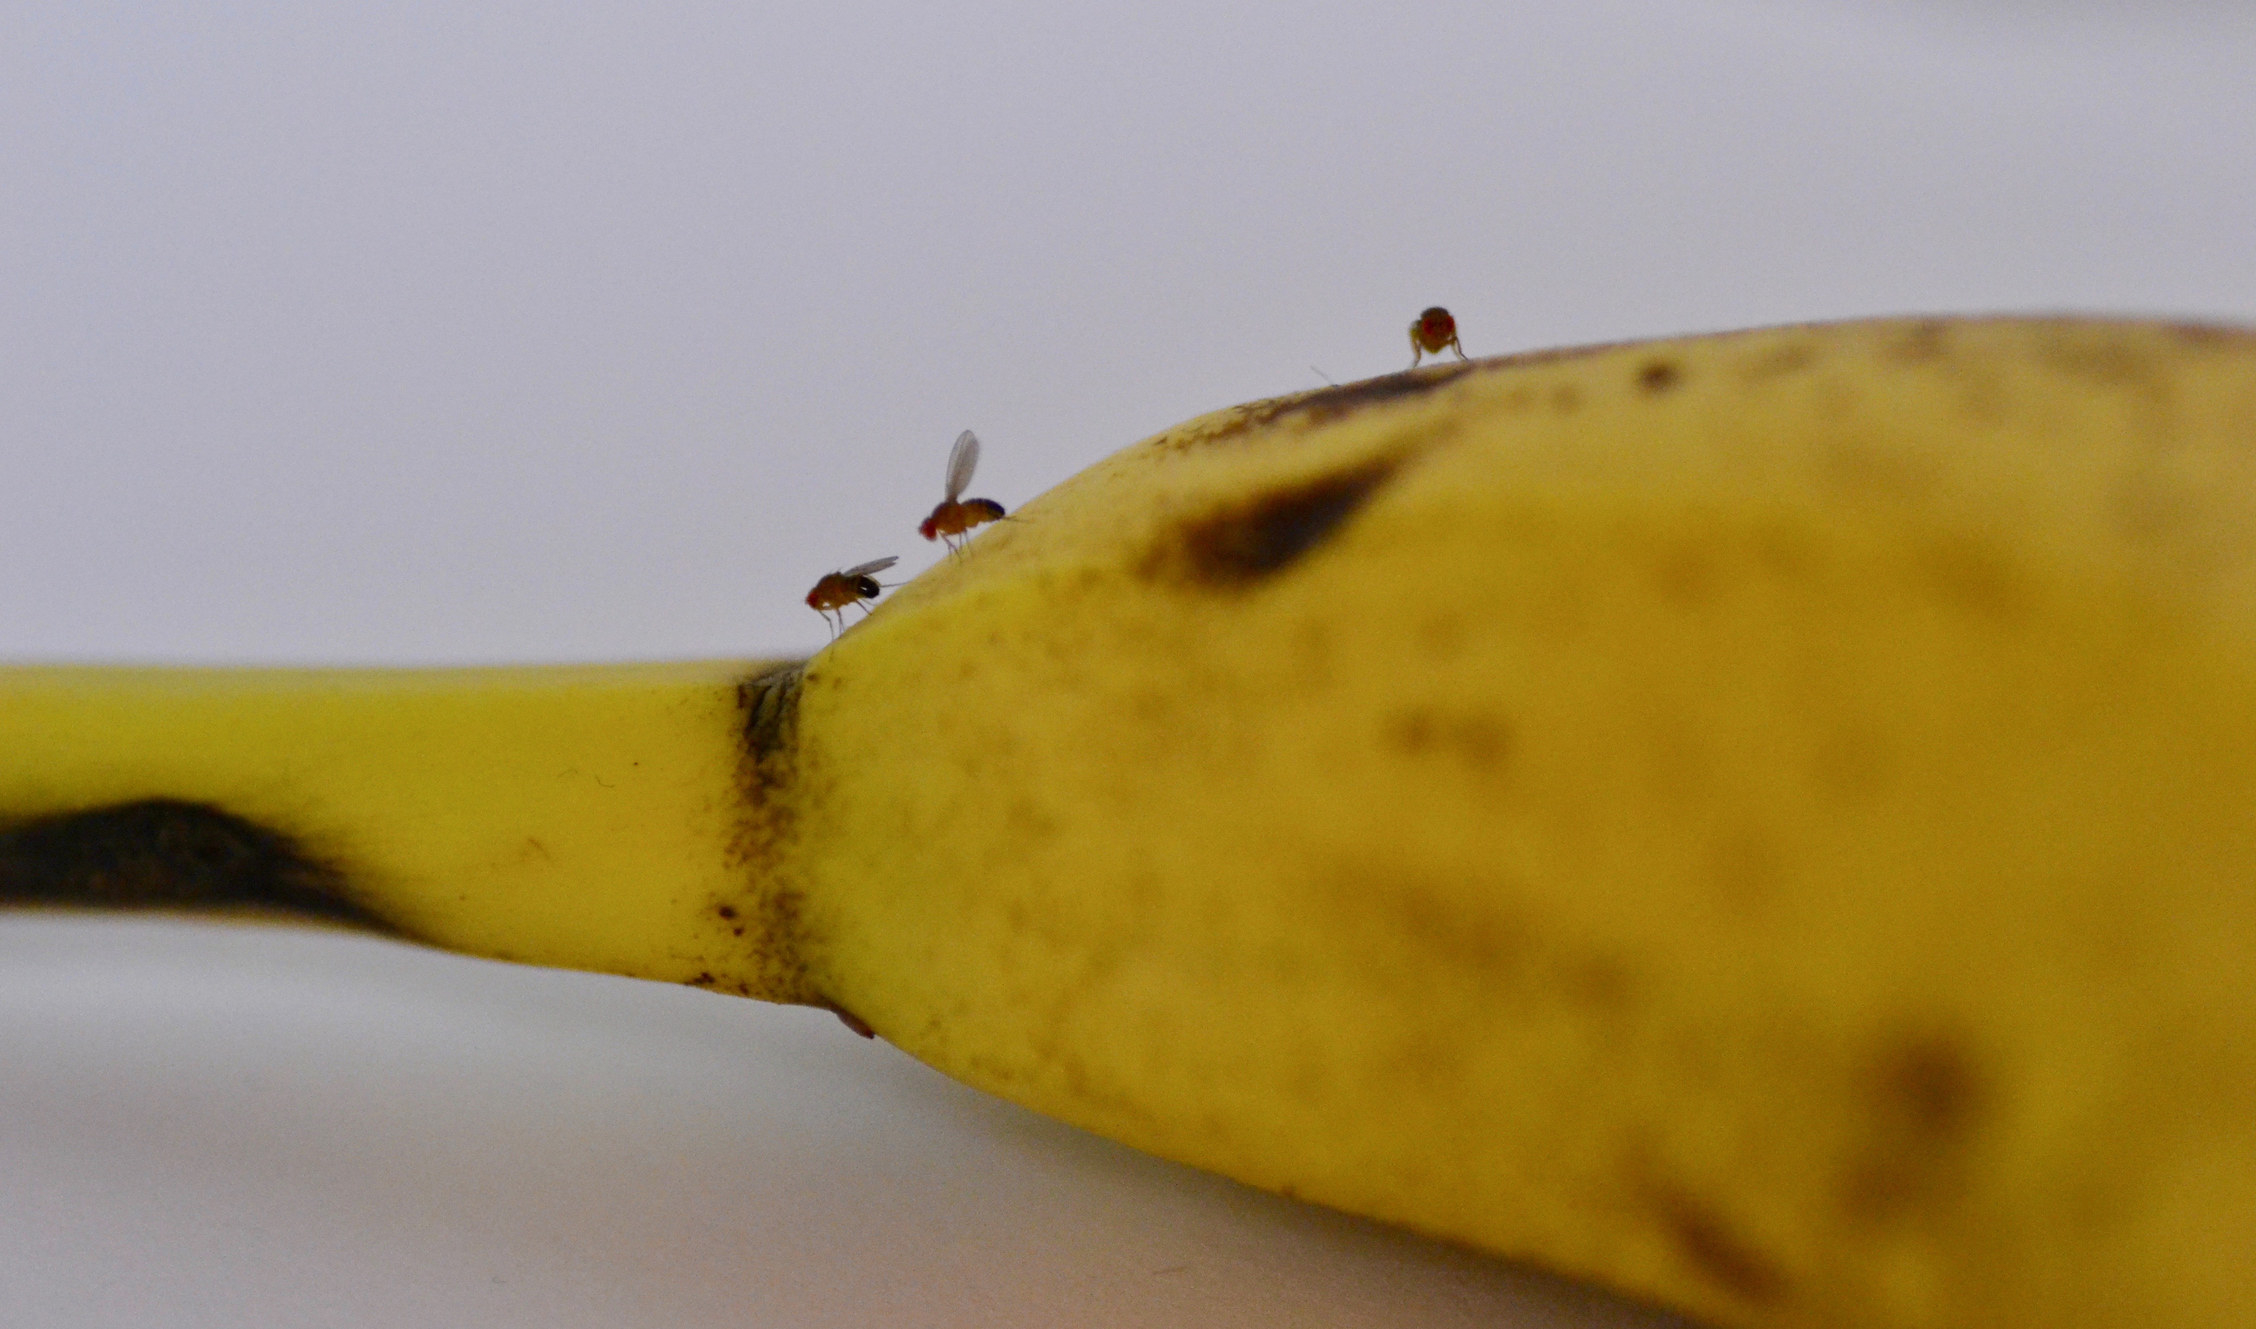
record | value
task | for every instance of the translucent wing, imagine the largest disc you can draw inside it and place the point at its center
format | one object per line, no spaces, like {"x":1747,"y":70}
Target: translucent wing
{"x":963,"y":459}
{"x":874,"y":565}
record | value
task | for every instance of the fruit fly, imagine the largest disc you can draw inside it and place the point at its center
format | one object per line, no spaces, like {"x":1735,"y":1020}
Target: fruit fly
{"x":956,"y":515}
{"x":839,"y":589}
{"x":1433,"y":331}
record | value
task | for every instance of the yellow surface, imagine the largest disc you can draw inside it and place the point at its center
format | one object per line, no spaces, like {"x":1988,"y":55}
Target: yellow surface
{"x":1769,"y":821}
{"x":589,"y":818}
{"x":1766,"y":821}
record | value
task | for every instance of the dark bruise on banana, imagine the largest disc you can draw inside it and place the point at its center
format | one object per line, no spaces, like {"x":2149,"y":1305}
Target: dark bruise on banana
{"x":171,"y":854}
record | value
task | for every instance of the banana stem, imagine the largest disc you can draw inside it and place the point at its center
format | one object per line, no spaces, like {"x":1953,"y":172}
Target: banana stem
{"x":590,"y":817}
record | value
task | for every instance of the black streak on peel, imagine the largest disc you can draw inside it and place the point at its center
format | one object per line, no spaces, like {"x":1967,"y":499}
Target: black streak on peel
{"x":174,"y":855}
{"x":770,"y":703}
{"x":1262,"y":537}
{"x":1328,"y":404}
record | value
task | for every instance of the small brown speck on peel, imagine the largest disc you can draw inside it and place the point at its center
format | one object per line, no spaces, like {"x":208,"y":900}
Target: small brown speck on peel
{"x":1927,"y":1103}
{"x":1925,"y":341}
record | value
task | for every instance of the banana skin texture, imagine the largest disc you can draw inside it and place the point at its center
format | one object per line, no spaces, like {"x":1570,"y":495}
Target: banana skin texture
{"x":1765,"y":822}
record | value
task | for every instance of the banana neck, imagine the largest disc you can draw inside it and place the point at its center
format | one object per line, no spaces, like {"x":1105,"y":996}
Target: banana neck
{"x":609,"y":818}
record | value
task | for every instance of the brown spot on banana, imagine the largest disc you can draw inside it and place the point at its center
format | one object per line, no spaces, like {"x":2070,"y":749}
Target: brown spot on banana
{"x":1659,"y":376}
{"x":1928,"y":1099}
{"x":1261,"y":537}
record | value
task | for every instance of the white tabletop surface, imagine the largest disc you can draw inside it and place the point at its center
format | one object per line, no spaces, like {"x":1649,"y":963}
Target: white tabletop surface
{"x":211,"y":1127}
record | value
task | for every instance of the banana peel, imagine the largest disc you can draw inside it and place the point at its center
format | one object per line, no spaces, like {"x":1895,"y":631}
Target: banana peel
{"x":1765,"y":822}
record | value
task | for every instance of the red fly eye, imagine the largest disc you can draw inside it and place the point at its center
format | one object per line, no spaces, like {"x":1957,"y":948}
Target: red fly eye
{"x":1437,"y":324}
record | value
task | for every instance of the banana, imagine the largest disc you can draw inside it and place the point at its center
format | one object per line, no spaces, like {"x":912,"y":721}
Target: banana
{"x":1766,"y":821}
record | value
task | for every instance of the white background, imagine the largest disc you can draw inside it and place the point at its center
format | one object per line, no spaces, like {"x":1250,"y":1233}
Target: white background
{"x":506,"y":331}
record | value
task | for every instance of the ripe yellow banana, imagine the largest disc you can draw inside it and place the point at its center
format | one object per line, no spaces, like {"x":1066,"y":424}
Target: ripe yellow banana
{"x":1766,"y":821}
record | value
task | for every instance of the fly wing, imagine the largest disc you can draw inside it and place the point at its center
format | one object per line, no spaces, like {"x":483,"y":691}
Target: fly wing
{"x":963,"y":459}
{"x":874,"y":565}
